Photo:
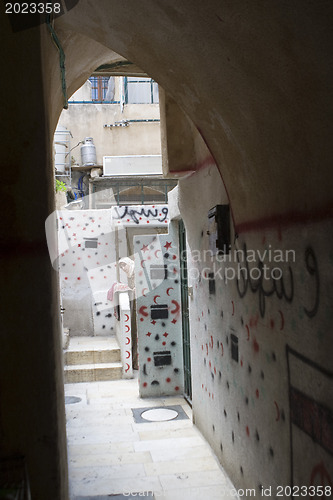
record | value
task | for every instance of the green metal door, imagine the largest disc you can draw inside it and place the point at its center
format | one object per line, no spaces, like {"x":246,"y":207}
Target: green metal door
{"x":185,"y":313}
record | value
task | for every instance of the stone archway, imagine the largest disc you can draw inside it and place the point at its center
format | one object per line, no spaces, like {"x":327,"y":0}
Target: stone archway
{"x":238,"y":70}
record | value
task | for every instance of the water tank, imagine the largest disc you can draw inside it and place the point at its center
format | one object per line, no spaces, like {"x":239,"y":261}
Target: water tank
{"x":88,"y":152}
{"x":61,"y":145}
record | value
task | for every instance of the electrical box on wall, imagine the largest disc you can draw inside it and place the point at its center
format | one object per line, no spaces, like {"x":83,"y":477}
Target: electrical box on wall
{"x":219,"y":229}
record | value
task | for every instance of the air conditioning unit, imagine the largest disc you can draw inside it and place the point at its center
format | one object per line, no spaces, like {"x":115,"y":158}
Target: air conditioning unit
{"x":132,"y":165}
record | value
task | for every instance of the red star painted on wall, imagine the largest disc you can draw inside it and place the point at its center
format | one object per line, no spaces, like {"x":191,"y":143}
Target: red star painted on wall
{"x":167,"y":245}
{"x":153,"y":322}
{"x":165,"y":334}
{"x":174,"y":321}
{"x":145,"y":248}
{"x":148,"y":334}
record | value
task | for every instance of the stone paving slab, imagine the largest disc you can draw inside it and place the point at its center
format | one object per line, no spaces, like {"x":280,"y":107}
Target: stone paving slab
{"x":118,"y":497}
{"x":113,"y":457}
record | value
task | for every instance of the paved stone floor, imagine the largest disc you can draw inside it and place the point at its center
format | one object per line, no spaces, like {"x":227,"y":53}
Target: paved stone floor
{"x":112,"y":456}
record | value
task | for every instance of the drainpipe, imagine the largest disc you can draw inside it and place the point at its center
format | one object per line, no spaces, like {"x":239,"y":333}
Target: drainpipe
{"x":122,"y":94}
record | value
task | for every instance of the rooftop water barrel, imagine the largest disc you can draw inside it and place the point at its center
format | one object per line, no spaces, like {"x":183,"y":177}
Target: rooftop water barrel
{"x":61,"y":138}
{"x":88,"y":153}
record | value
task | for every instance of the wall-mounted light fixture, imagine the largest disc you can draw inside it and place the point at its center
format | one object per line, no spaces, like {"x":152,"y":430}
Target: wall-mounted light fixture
{"x":219,"y":229}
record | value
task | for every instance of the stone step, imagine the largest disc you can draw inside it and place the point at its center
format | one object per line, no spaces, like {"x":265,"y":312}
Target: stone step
{"x":96,"y":372}
{"x":91,"y":357}
{"x":92,"y":350}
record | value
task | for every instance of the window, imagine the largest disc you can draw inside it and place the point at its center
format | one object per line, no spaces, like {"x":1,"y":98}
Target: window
{"x":140,"y":90}
{"x":99,"y":89}
{"x":90,"y":242}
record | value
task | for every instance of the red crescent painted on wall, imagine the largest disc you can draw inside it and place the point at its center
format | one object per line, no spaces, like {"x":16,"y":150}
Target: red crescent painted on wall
{"x":233,"y":308}
{"x":143,"y":291}
{"x":156,"y":252}
{"x":211,"y":343}
{"x":248,"y":332}
{"x":156,"y":298}
{"x":170,"y":288}
{"x":128,"y":354}
{"x":177,"y":307}
{"x":282,"y":320}
{"x":323,"y":476}
{"x":128,"y":328}
{"x":277,"y":412}
{"x":128,"y":367}
{"x":143,"y":311}
{"x":127,"y":317}
{"x":128,"y":340}
{"x":143,"y":260}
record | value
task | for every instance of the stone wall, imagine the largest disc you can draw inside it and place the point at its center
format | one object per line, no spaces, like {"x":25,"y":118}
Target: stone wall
{"x":87,"y":264}
{"x":159,"y":320}
{"x":90,"y":243}
{"x":261,"y":347}
{"x":138,"y":138}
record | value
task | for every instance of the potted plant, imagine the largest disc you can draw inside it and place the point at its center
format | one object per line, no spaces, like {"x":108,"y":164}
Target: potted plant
{"x":60,"y":198}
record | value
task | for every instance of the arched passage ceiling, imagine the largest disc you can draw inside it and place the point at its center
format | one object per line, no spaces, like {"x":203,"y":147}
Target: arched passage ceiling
{"x":254,"y":76}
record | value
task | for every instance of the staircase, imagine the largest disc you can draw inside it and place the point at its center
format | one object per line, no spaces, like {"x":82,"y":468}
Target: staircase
{"x":92,"y":359}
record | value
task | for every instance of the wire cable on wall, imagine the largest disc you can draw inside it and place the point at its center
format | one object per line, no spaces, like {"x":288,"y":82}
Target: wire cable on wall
{"x":78,"y":144}
{"x":61,"y":59}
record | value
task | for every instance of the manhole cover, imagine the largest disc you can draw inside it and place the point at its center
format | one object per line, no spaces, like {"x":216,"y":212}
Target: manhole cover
{"x":159,"y":414}
{"x":70,"y":400}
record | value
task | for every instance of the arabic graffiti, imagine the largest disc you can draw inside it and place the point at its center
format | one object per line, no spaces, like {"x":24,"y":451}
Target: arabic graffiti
{"x":136,"y":215}
{"x":282,"y":286}
{"x":277,"y":285}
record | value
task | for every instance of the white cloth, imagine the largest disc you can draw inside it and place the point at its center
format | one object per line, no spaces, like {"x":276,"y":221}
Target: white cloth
{"x":130,"y":263}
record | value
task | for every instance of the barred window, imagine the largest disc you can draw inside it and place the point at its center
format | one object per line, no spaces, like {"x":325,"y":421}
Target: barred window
{"x":140,"y":90}
{"x":99,"y":88}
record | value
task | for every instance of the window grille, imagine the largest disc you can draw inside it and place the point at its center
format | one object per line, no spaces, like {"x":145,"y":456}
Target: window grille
{"x":140,"y":90}
{"x":99,"y":88}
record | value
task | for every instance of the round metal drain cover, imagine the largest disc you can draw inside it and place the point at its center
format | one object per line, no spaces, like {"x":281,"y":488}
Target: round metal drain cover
{"x":69,"y":400}
{"x":159,"y":414}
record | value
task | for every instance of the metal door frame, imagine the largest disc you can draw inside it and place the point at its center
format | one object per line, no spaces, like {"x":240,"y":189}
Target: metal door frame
{"x":185,"y":313}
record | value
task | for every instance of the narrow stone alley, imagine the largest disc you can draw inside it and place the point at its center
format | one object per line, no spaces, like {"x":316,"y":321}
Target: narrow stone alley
{"x":112,"y":454}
